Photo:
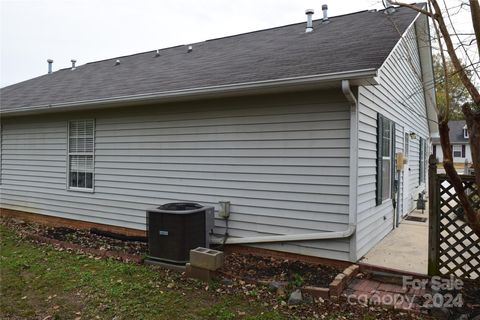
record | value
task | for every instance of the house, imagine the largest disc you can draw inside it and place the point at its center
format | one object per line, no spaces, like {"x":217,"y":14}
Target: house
{"x":298,"y":130}
{"x":460,"y":145}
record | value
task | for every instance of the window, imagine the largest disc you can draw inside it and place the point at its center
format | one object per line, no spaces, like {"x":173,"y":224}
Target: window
{"x":80,"y":154}
{"x":385,"y":159}
{"x":457,"y":151}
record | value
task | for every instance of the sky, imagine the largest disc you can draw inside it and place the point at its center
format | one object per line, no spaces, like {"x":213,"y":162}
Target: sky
{"x":32,"y":31}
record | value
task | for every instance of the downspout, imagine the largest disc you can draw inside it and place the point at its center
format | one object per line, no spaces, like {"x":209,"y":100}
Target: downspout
{"x":347,"y":233}
{"x":352,"y":200}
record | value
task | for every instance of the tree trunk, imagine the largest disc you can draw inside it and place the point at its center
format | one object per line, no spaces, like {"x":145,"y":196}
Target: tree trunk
{"x":472,"y":90}
{"x":472,"y":215}
{"x":472,"y":116}
{"x":475,"y":12}
{"x":473,"y":125}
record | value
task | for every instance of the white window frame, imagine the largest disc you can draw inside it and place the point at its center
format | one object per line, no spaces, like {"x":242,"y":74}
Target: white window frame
{"x":68,"y":187}
{"x":387,"y":157}
{"x":459,"y":149}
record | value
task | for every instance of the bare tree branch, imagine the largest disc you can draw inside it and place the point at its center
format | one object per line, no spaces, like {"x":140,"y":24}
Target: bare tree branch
{"x":472,"y":212}
{"x":453,"y":55}
{"x":475,"y":11}
{"x":414,"y":7}
{"x":458,"y":38}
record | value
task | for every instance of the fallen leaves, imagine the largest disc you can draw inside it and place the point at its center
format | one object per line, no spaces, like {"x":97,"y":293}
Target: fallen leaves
{"x":247,"y":266}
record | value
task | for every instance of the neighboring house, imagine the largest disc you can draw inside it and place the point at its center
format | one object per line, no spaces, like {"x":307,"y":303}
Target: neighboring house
{"x":459,"y":141}
{"x":298,"y":130}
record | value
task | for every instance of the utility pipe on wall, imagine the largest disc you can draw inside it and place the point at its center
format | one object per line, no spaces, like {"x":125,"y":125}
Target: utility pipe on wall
{"x":290,"y":237}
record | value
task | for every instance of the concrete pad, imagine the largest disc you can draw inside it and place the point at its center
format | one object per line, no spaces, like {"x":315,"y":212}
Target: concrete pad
{"x":405,"y":248}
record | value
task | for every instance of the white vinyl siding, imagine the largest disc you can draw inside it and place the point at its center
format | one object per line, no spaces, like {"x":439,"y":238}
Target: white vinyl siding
{"x":399,"y":97}
{"x":458,"y":161}
{"x":282,"y":161}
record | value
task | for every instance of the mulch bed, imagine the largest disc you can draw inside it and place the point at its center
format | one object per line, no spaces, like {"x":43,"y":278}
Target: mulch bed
{"x":83,"y":238}
{"x":251,"y":267}
{"x":244,"y":266}
{"x":470,"y":294}
{"x":88,"y":239}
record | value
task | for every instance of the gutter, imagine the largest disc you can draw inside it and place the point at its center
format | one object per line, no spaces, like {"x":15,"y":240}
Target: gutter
{"x":352,"y":223}
{"x":186,"y":94}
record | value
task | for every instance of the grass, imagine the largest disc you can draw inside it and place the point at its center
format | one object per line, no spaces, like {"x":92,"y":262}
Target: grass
{"x":38,"y":281}
{"x":41,"y":282}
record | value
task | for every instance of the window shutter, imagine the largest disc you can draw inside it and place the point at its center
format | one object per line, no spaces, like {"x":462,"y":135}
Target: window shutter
{"x":379,"y":158}
{"x":463,"y":151}
{"x":394,"y":159}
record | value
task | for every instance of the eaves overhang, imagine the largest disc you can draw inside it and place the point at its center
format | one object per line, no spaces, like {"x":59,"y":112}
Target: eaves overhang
{"x":322,"y":81}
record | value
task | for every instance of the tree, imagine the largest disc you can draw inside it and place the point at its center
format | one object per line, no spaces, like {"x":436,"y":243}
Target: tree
{"x":471,"y":111}
{"x":457,"y":94}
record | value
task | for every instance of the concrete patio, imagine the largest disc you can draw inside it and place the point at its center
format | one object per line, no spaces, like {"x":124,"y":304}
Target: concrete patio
{"x":405,"y":248}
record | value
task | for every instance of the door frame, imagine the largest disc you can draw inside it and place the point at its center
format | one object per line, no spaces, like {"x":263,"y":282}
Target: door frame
{"x":406,"y":172}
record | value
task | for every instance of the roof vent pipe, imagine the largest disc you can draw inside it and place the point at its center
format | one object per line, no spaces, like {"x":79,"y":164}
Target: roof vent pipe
{"x":325,"y":14}
{"x":309,"y":13}
{"x":389,"y":7}
{"x":73,"y":61}
{"x":190,"y":49}
{"x":117,"y":62}
{"x":50,"y":62}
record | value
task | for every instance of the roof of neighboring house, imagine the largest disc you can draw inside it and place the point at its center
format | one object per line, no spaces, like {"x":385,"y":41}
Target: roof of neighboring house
{"x":357,"y":41}
{"x":455,"y":133}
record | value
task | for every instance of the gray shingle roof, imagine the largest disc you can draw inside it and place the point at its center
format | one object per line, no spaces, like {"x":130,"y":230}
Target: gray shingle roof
{"x":350,"y":42}
{"x":455,"y":133}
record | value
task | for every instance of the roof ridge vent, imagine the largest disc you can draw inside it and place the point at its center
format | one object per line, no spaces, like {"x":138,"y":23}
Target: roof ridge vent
{"x":117,"y":62}
{"x":309,"y":13}
{"x":325,"y":14}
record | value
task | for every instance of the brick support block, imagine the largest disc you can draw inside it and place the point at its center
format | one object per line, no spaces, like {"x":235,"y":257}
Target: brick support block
{"x":338,"y":285}
{"x":206,"y":258}
{"x":199,"y":273}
